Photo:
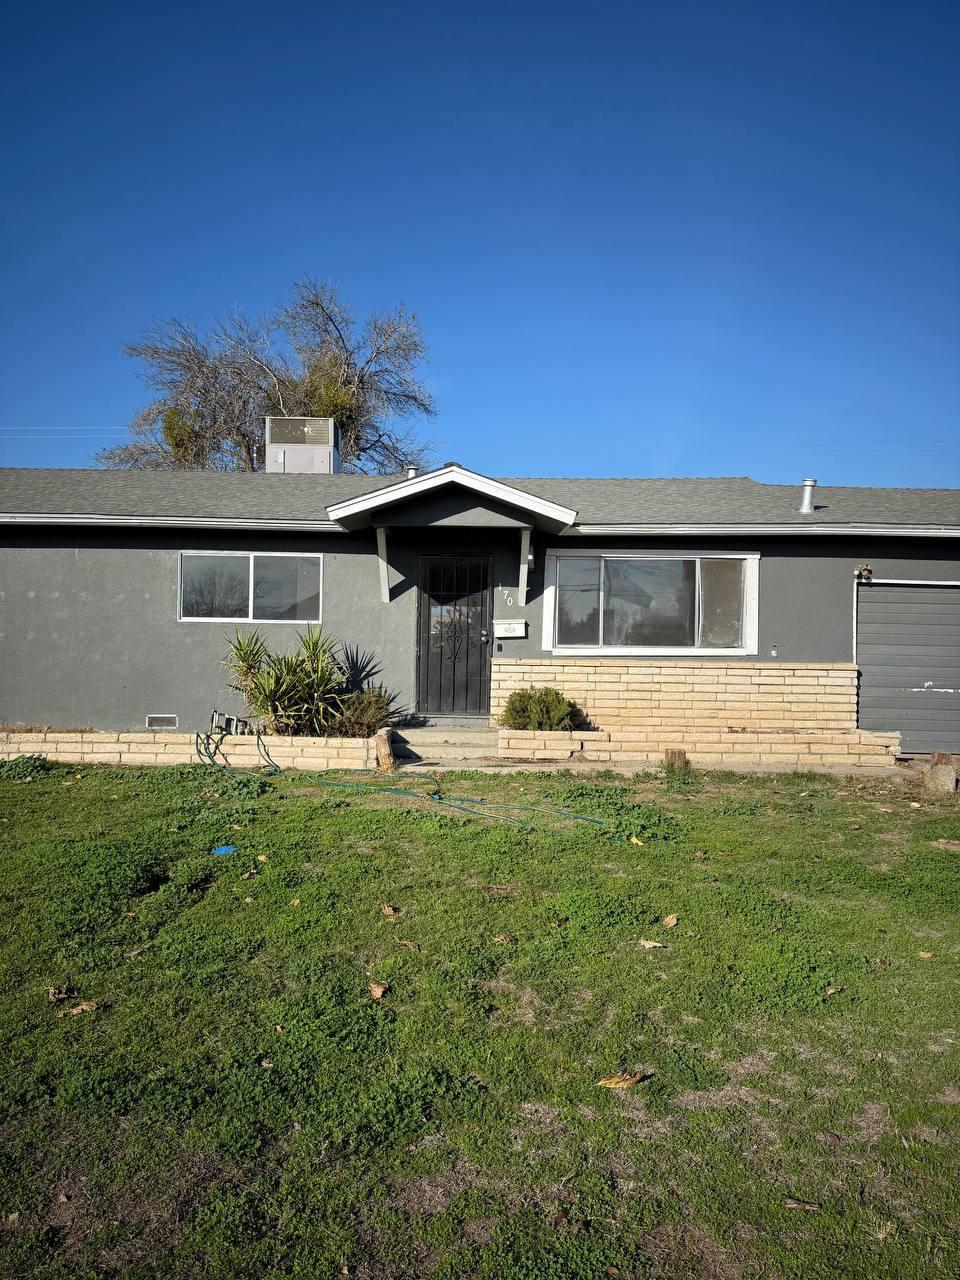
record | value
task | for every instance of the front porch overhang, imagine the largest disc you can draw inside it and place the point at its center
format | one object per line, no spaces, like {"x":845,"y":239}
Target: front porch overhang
{"x":374,"y":508}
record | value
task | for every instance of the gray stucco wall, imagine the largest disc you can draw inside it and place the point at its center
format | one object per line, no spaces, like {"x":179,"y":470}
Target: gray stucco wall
{"x":806,"y":586}
{"x":89,"y":632}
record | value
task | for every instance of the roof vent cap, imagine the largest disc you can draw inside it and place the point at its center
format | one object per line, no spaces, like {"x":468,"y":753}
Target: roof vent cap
{"x":806,"y":499}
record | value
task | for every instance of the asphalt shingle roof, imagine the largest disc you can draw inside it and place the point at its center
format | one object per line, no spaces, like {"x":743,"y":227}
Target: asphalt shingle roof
{"x":734,"y":500}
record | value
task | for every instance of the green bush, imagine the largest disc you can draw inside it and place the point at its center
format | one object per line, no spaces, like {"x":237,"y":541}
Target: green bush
{"x":362,"y":713}
{"x":539,"y":709}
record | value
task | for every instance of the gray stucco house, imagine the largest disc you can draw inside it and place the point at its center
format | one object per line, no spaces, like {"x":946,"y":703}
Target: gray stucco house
{"x":654,"y":603}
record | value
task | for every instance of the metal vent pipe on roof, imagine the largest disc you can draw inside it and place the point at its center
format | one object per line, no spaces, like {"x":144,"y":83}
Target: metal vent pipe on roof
{"x":411,"y":472}
{"x":806,"y":500}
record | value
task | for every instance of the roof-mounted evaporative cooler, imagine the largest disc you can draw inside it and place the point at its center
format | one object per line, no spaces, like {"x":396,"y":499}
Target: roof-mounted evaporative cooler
{"x":301,"y":446}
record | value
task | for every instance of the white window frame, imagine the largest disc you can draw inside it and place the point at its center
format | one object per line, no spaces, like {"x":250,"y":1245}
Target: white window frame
{"x":249,"y":555}
{"x":750,"y":622}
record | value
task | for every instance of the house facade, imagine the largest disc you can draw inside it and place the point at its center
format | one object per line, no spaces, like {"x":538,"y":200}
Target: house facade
{"x":693,"y":605}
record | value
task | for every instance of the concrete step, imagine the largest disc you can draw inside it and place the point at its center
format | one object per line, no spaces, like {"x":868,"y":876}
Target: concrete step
{"x":444,"y":751}
{"x":434,"y":735}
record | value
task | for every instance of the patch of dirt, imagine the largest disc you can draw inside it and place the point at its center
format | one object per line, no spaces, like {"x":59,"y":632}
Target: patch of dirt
{"x":950,"y":1094}
{"x":527,"y":1002}
{"x":149,"y":1214}
{"x":432,"y":1193}
{"x":754,"y":1064}
{"x":930,"y":1133}
{"x":872,"y":1124}
{"x":538,"y":1118}
{"x":670,"y":1247}
{"x":421,"y":1261}
{"x":942,"y":1041}
{"x":727,"y":1095}
{"x":477,"y":1231}
{"x":640,"y":1123}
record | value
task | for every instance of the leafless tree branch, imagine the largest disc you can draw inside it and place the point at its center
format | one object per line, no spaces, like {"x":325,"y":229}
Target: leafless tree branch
{"x":212,"y":394}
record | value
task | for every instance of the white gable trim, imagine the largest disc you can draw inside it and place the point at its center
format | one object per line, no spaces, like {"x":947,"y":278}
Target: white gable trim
{"x":452,"y":474}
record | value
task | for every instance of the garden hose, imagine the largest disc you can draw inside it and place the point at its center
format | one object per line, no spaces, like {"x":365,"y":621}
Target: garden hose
{"x":210,"y":745}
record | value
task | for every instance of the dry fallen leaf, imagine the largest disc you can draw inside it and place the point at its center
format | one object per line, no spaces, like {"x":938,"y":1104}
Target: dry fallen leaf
{"x":670,"y":922}
{"x":636,"y":840}
{"x":411,"y":946}
{"x":503,"y":937}
{"x":624,"y":1079}
{"x":266,"y":1064}
{"x":262,"y":857}
{"x":249,"y":875}
{"x":388,"y":911}
{"x":648,"y":945}
{"x":85,"y":1006}
{"x":56,"y":994}
{"x":379,"y":989}
{"x":790,"y":1203}
{"x":832,"y":991}
{"x":248,"y":899}
{"x":278,"y":1029}
{"x":294,"y":902}
{"x":915,"y":805}
{"x":925,"y":955}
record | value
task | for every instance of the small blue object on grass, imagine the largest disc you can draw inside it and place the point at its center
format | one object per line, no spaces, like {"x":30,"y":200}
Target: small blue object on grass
{"x":221,"y":849}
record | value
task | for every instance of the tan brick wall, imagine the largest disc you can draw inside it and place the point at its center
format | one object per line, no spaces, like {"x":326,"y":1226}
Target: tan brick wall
{"x":179,"y":748}
{"x":850,"y":749}
{"x":723,"y":714}
{"x":636,"y":693}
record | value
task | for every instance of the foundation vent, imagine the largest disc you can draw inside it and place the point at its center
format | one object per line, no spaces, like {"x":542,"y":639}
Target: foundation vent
{"x":157,"y":720}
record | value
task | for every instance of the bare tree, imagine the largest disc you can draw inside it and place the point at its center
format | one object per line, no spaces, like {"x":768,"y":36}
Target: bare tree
{"x":310,"y":359}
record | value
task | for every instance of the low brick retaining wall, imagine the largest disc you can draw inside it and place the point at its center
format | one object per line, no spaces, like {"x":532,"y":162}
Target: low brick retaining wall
{"x":718,"y":747}
{"x":637,"y":693}
{"x":179,"y":748}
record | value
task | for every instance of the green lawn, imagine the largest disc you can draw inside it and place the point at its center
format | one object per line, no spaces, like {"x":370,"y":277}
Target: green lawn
{"x":217,"y":1093}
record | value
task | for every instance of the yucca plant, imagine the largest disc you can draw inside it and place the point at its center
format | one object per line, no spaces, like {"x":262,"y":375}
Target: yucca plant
{"x":289,"y":693}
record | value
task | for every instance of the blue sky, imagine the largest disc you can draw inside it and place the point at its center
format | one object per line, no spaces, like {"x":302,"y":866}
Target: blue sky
{"x":643,"y":239}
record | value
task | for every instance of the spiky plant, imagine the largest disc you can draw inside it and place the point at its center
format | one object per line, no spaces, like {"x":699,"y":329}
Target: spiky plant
{"x":290,"y":693}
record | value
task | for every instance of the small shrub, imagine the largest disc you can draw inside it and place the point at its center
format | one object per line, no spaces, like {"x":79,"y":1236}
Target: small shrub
{"x":22,"y":767}
{"x":362,"y":713}
{"x":539,"y":709}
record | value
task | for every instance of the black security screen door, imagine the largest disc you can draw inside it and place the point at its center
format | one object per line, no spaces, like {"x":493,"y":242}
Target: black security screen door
{"x":453,"y":635}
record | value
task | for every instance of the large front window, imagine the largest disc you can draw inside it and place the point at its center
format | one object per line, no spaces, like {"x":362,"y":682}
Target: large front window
{"x":634,"y":602}
{"x":232,"y":585}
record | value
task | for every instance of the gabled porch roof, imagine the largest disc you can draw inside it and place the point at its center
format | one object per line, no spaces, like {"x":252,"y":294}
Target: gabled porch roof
{"x":373,"y":508}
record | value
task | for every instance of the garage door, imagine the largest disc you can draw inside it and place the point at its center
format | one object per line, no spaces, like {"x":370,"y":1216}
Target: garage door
{"x":908,"y":648}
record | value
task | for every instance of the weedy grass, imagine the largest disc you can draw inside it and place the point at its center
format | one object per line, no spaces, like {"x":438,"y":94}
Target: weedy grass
{"x":200,"y":1082}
